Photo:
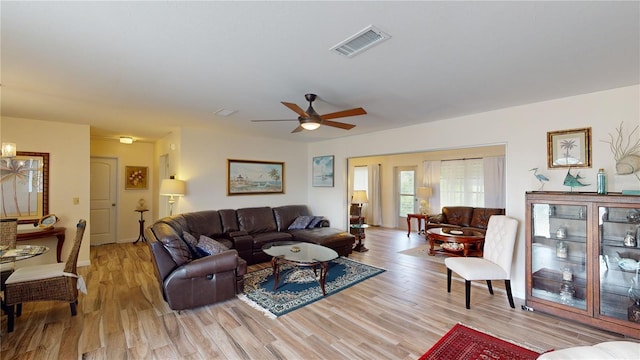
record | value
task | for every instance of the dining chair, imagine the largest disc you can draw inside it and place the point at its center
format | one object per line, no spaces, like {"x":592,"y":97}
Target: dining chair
{"x":48,"y":282}
{"x":8,"y":235}
{"x":495,"y":263}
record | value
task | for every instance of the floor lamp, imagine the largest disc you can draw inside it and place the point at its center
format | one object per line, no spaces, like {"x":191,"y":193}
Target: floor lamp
{"x":172,"y":187}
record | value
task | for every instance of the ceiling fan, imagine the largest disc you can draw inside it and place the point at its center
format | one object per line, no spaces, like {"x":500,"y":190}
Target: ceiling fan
{"x":311,"y":120}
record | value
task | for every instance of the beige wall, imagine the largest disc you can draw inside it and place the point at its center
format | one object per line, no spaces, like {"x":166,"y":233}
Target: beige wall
{"x":136,"y":154}
{"x":524,"y":131}
{"x":68,"y":148}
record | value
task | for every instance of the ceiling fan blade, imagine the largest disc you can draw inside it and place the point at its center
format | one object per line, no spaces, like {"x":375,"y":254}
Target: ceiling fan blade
{"x":275,"y":120}
{"x":297,"y":109}
{"x":338,"y":124}
{"x":344,"y":113}
{"x":298,"y":129}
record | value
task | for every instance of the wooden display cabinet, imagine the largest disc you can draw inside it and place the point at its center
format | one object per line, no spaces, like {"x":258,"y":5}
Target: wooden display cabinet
{"x":578,"y":263}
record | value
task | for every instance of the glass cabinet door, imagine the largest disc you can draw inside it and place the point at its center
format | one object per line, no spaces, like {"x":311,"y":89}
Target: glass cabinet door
{"x":559,"y":254}
{"x":619,"y":259}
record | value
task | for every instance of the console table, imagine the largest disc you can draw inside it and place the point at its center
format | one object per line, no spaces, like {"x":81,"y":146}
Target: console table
{"x":58,"y":232}
{"x":420,"y":217}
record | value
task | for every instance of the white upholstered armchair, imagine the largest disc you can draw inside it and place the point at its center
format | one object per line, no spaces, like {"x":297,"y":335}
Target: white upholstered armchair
{"x":496,"y":261}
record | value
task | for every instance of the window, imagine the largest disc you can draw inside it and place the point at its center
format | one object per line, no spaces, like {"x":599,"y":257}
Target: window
{"x":361,"y":178}
{"x":406,"y":191}
{"x":462,"y":183}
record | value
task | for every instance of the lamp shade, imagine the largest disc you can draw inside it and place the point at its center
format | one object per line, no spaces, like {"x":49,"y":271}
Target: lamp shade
{"x":425,"y":192}
{"x":172,"y":187}
{"x":8,"y":150}
{"x":359,"y":197}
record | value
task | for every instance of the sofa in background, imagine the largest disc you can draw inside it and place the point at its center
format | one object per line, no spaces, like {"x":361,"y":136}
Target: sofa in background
{"x":467,"y":217}
{"x":201,"y":257}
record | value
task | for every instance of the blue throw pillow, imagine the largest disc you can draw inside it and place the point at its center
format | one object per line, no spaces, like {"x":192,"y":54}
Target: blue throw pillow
{"x":192,"y":242}
{"x":315,"y":221}
{"x":300,"y":222}
{"x":207,"y":246}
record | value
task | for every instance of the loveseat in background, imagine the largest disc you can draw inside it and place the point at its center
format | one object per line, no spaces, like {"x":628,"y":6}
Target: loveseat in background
{"x":463,"y":217}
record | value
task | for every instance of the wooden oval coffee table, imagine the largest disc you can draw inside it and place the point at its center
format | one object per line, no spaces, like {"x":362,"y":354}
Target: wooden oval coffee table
{"x":456,"y":242}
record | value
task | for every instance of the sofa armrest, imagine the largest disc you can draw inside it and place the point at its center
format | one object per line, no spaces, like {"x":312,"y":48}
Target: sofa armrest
{"x":212,"y":264}
{"x":436,"y":219}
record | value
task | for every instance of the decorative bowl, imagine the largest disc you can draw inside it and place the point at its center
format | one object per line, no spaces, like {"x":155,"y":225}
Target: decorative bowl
{"x":453,"y":246}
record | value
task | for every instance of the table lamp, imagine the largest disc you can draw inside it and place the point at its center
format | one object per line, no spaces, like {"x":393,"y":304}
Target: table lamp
{"x":359,"y":197}
{"x":172,"y":187}
{"x":424,"y":193}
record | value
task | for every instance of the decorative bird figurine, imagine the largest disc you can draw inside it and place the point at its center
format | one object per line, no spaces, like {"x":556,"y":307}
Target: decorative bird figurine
{"x":573,"y":181}
{"x":540,"y":178}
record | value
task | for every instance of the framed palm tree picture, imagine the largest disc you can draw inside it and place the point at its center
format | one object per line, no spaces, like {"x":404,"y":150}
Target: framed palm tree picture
{"x":24,"y":184}
{"x":569,"y":148}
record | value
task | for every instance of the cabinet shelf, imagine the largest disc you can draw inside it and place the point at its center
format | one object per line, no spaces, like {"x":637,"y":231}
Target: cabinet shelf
{"x":596,"y":226}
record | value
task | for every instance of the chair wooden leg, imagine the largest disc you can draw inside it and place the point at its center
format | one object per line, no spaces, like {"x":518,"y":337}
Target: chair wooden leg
{"x":73,"y":308}
{"x":448,"y":280}
{"x":467,"y":293}
{"x":507,"y":285}
{"x":10,"y":310}
{"x":490,"y":287}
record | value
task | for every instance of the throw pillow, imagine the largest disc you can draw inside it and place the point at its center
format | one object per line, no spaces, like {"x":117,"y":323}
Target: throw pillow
{"x":192,"y":242}
{"x":315,"y":221}
{"x":190,"y":239}
{"x":208,"y":246}
{"x":300,"y":222}
{"x":177,"y":250}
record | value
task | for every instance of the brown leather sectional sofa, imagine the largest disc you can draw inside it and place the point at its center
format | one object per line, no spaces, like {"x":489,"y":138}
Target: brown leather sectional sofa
{"x":189,"y":280}
{"x":463,"y":217}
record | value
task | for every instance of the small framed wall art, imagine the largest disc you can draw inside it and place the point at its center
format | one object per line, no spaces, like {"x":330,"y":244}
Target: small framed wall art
{"x":322,"y":172}
{"x":136,"y":177}
{"x":569,"y":148}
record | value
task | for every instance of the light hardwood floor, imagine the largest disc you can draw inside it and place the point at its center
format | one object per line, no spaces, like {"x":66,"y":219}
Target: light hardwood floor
{"x":396,"y":315}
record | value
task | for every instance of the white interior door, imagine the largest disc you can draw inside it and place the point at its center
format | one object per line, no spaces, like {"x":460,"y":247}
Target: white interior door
{"x":104,"y":187}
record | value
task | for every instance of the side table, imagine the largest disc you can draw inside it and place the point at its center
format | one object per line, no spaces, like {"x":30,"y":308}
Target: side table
{"x":420,"y":217}
{"x":141,"y":221}
{"x":358,"y":231}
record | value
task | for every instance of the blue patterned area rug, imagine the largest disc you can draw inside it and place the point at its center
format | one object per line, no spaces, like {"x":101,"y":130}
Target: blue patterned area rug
{"x":299,"y":286}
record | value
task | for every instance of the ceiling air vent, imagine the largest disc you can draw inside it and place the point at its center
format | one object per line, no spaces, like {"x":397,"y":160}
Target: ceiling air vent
{"x":363,"y":40}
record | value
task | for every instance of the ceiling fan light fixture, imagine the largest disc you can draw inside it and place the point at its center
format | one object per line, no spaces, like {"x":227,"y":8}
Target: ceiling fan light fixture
{"x":310,"y":125}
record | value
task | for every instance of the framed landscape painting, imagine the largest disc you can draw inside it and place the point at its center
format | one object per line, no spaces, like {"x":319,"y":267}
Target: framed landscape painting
{"x":246,"y":177}
{"x":25,"y":186}
{"x":322,"y":171}
{"x":569,"y":148}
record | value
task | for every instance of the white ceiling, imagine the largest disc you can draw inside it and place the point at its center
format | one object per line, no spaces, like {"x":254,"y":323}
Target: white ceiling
{"x":144,"y":68}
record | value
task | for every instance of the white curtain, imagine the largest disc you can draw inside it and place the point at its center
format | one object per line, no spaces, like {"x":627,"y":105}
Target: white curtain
{"x":431,"y":178}
{"x":461,"y":183}
{"x":494,"y":182}
{"x":374,"y":208}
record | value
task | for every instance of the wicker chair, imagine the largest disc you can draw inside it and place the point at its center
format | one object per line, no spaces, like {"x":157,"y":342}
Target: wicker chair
{"x":49,"y":282}
{"x":8,"y":233}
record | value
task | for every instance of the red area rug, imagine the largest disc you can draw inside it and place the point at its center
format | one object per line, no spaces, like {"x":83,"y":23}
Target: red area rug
{"x":464,"y":343}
